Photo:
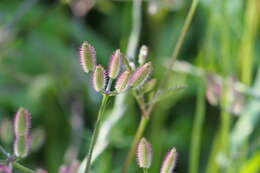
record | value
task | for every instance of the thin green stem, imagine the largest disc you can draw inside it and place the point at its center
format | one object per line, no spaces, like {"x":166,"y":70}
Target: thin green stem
{"x":181,"y":38}
{"x":95,"y":132}
{"x":110,"y":81}
{"x":22,"y":168}
{"x":2,"y":150}
{"x":137,"y":137}
{"x":197,"y":130}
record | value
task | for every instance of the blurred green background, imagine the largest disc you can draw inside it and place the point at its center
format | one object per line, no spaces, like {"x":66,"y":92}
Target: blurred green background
{"x":40,"y":70}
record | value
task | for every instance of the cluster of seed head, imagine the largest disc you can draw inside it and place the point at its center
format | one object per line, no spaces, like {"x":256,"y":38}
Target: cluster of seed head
{"x":124,"y":78}
{"x":144,"y":157}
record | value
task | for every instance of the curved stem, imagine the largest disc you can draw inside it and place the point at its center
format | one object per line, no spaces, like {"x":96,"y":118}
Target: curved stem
{"x":95,"y":132}
{"x":137,"y":137}
{"x":22,"y":168}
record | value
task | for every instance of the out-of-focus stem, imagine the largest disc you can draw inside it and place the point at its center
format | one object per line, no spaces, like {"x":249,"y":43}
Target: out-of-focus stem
{"x":138,"y":135}
{"x":136,"y":29}
{"x":95,"y":132}
{"x":181,"y":39}
{"x":22,"y":168}
{"x":197,"y":130}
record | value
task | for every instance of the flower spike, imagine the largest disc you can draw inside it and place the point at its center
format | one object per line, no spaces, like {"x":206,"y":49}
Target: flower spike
{"x":87,"y":57}
{"x":144,"y":153}
{"x":114,"y":64}
{"x":141,"y":74}
{"x":169,"y":162}
{"x":22,"y":122}
{"x":21,"y":146}
{"x":122,"y":81}
{"x":99,"y":78}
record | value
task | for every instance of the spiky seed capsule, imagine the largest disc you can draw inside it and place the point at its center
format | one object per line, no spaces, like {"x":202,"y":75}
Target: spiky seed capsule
{"x":87,"y":57}
{"x":142,"y":54}
{"x":21,"y":146}
{"x":99,"y":78}
{"x":144,"y":153}
{"x":114,"y":64}
{"x":22,"y":122}
{"x":122,"y":81}
{"x":141,"y":74}
{"x":169,"y":161}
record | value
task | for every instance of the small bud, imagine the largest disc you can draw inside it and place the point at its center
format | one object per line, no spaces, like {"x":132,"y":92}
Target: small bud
{"x":142,"y":54}
{"x":132,"y":66}
{"x":169,"y":162}
{"x":6,"y":131}
{"x":87,"y":57}
{"x":22,"y":122}
{"x":99,"y":78}
{"x":37,"y":137}
{"x":21,"y":146}
{"x":114,"y":64}
{"x":144,"y":153}
{"x":122,"y":81}
{"x":149,"y":85}
{"x":141,"y":74}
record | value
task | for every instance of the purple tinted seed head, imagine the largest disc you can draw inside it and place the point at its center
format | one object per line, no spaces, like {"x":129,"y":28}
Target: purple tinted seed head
{"x":114,"y":64}
{"x":22,"y":122}
{"x":99,"y":78}
{"x":122,"y":81}
{"x":169,"y":162}
{"x":21,"y":146}
{"x":140,"y":75}
{"x":87,"y":57}
{"x":144,"y":153}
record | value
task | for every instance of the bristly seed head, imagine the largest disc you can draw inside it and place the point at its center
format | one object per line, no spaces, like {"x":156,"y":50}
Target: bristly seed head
{"x":99,"y":78}
{"x":87,"y":57}
{"x":143,"y":54}
{"x":141,"y":74}
{"x":169,"y":162}
{"x":21,"y":146}
{"x":22,"y":122}
{"x":144,"y":153}
{"x":114,"y":64}
{"x":122,"y":81}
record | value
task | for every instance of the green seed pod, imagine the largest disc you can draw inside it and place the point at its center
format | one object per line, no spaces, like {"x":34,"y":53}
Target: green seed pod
{"x":122,"y":81}
{"x":169,"y":162}
{"x":144,"y":154}
{"x":99,"y":78}
{"x":87,"y":57}
{"x":141,"y":74}
{"x":22,"y":122}
{"x":142,"y":55}
{"x":21,"y":146}
{"x":114,"y":64}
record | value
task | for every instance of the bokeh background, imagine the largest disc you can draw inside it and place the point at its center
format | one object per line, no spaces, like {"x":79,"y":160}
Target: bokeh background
{"x":218,"y":64}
